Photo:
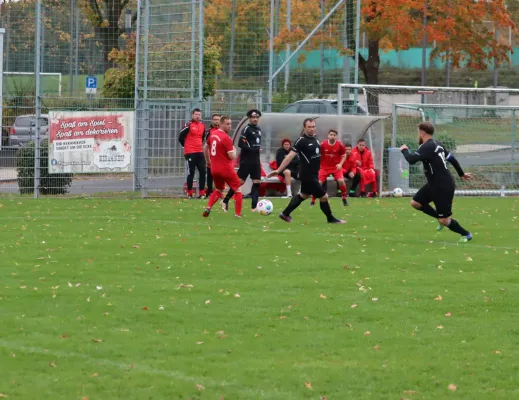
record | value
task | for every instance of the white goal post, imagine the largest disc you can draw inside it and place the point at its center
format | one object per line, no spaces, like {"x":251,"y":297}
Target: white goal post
{"x":58,"y":74}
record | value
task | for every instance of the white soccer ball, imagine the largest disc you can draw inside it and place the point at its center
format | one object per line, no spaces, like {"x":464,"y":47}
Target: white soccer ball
{"x":397,"y":192}
{"x":265,"y":207}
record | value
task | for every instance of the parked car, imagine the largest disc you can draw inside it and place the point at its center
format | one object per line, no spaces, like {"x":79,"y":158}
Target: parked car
{"x":24,"y":129}
{"x":322,"y":106}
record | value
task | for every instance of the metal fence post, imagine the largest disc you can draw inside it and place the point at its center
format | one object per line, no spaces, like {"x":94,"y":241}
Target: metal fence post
{"x":37,"y":60}
{"x":513,"y":146}
{"x":2,"y":32}
{"x":395,"y":126}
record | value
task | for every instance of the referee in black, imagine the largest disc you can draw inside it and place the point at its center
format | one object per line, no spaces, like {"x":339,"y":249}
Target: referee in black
{"x":250,"y":163}
{"x":308,"y":149}
{"x":440,"y":187}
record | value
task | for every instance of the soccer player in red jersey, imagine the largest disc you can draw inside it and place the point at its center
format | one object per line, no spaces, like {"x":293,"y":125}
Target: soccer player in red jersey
{"x":366,"y":167}
{"x":191,"y":138}
{"x":333,"y":155}
{"x":350,"y":166}
{"x":219,"y":153}
{"x":215,"y":124}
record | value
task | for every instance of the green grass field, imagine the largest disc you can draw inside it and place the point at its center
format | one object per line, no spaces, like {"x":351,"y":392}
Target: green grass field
{"x":145,"y":299}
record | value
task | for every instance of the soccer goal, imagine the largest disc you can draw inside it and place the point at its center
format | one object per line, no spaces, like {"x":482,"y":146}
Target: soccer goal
{"x":380,"y":99}
{"x":20,"y":81}
{"x":482,"y":137}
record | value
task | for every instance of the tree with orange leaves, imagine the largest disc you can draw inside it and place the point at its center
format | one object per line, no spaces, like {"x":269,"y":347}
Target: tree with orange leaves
{"x":462,"y":30}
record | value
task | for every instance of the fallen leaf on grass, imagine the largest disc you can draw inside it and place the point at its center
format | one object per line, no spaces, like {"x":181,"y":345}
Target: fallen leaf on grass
{"x":439,"y":327}
{"x":354,"y":306}
{"x":410,"y":392}
{"x":136,"y":247}
{"x":496,"y":352}
{"x":199,"y":342}
{"x":64,"y":336}
{"x":367,"y":333}
{"x":308,"y":385}
{"x":97,"y":340}
{"x":208,"y":302}
{"x":322,"y":296}
{"x":94,"y":374}
{"x":52,"y":364}
{"x":237,"y":295}
{"x":200,"y":387}
{"x":3,"y":395}
{"x":449,"y":314}
{"x":452,"y":387}
{"x":376,"y":347}
{"x":144,"y":308}
{"x":439,"y":298}
{"x":164,"y":255}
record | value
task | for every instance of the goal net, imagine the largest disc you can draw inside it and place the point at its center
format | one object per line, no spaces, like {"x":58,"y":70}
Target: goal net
{"x":482,"y":137}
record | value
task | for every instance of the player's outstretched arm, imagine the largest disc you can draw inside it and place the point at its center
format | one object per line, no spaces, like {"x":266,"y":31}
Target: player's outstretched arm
{"x":455,"y":163}
{"x":284,"y":164}
{"x":411,"y":157}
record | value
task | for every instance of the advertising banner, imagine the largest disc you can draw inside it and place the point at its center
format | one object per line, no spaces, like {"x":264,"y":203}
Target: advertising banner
{"x":90,"y":141}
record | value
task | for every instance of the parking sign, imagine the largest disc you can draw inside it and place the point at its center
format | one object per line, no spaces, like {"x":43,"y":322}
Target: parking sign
{"x":91,"y":85}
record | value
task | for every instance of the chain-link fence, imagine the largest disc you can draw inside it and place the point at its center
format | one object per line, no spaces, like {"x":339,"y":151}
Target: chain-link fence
{"x":161,"y":58}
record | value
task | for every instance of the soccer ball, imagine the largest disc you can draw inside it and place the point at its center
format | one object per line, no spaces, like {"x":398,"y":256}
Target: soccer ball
{"x":265,"y":207}
{"x":397,"y":192}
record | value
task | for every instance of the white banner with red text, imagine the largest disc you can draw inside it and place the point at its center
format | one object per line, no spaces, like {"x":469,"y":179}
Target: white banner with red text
{"x":91,"y":141}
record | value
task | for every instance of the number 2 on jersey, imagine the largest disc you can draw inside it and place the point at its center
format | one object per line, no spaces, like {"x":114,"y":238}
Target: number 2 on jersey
{"x":213,"y":148}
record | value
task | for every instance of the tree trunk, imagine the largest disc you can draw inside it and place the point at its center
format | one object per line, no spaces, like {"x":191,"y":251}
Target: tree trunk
{"x":370,"y":69}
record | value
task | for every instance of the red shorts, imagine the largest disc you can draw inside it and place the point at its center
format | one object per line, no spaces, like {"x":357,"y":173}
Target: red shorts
{"x":325,"y":173}
{"x":229,"y":177}
{"x":367,"y":175}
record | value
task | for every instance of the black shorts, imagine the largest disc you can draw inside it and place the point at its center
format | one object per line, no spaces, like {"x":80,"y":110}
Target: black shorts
{"x":311,"y":186}
{"x":252,"y":170}
{"x":442,"y":198}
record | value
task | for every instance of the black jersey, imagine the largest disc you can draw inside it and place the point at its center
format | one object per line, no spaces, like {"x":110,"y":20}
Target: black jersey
{"x":309,"y":150}
{"x":250,"y":144}
{"x":434,"y":158}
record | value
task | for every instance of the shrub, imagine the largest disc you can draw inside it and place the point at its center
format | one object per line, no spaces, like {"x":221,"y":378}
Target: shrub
{"x":50,"y":184}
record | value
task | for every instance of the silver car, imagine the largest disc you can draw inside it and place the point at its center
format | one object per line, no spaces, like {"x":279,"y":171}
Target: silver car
{"x":24,"y":129}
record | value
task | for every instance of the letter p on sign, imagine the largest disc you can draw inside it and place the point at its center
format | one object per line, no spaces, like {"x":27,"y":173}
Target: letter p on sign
{"x":91,"y":85}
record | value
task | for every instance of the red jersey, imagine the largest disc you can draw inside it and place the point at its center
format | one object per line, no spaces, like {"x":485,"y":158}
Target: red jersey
{"x":220,"y":144}
{"x":192,"y":136}
{"x":350,"y":165}
{"x":331,"y":154}
{"x":365,"y":157}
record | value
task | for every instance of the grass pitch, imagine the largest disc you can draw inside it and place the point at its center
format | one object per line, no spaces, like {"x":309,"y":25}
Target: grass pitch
{"x":145,"y":299}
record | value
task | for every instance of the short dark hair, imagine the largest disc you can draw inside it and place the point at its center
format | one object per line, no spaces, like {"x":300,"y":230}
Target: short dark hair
{"x":224,"y":118}
{"x":216,"y":115}
{"x":347,"y":144}
{"x":333,"y":130}
{"x":426,"y":127}
{"x":361,"y":141}
{"x":195,"y":110}
{"x":308,"y":120}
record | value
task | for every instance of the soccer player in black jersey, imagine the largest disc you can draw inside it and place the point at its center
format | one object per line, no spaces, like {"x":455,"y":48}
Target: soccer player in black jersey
{"x":439,"y":188}
{"x":250,"y":164}
{"x":308,"y":149}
